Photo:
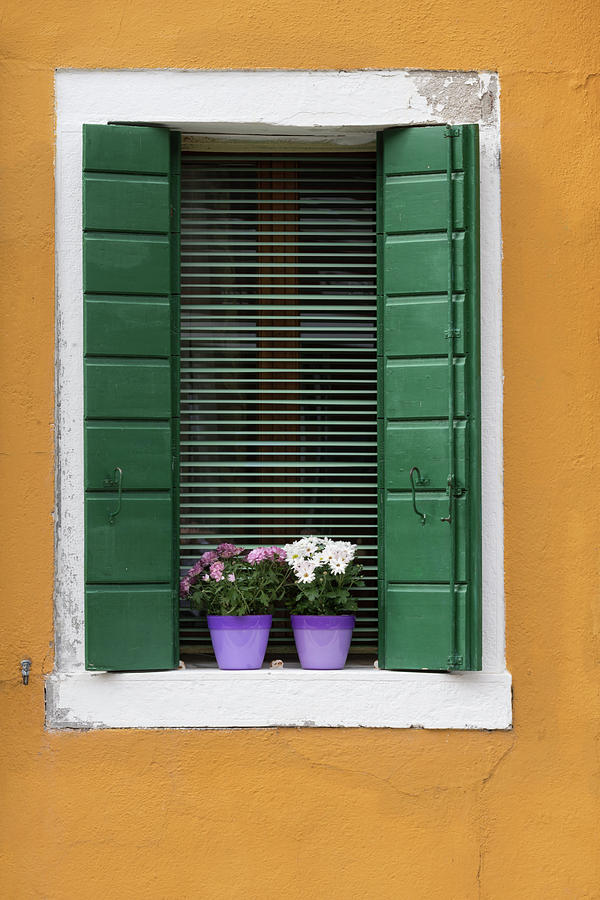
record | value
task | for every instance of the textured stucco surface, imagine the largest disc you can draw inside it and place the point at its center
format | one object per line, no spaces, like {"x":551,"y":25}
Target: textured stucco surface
{"x":327,"y":813}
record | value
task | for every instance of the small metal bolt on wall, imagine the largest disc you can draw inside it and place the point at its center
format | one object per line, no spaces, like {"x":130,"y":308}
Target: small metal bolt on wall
{"x":25,"y":669}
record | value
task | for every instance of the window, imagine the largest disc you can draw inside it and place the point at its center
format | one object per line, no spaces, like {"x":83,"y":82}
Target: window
{"x":265,"y":414}
{"x":278,"y":417}
{"x":131,"y":404}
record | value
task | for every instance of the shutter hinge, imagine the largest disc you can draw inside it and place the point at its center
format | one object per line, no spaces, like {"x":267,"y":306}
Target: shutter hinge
{"x":455,"y":661}
{"x":452,"y":485}
{"x":452,"y":333}
{"x":25,"y":670}
{"x":452,"y":131}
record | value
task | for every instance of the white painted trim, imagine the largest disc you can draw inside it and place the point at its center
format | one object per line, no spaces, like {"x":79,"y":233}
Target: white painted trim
{"x":293,"y":697}
{"x":284,"y":143}
{"x":265,"y":102}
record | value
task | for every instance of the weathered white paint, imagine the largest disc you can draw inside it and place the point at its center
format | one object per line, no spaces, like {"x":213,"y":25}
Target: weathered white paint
{"x":290,"y":103}
{"x":208,"y":698}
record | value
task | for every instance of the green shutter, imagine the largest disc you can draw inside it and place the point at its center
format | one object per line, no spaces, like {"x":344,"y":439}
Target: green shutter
{"x":131,"y":408}
{"x":429,"y":398}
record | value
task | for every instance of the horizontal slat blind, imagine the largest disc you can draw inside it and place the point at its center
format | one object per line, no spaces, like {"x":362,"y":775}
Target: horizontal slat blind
{"x":278,"y":360}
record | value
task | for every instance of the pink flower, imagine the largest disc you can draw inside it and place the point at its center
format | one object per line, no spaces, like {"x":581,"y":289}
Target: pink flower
{"x":208,"y":557}
{"x":185,"y":585}
{"x":227,"y":550}
{"x":256,"y":556}
{"x":206,"y":578}
{"x":231,"y":577}
{"x":262,"y":553}
{"x":216,"y":570}
{"x":276,"y":553}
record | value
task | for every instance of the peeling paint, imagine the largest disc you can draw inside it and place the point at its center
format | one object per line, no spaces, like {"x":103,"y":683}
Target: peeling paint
{"x":451,"y":97}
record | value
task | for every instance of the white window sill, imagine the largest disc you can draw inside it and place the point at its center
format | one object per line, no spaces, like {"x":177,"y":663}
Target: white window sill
{"x":355,"y":697}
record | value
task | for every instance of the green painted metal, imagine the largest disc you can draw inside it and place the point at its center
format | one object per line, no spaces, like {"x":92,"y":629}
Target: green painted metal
{"x":131,"y":401}
{"x":454,"y":660}
{"x":429,"y":407}
{"x":473,"y":626}
{"x":175,"y":300}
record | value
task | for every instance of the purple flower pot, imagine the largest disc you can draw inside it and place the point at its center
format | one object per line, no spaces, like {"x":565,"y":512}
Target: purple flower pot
{"x":239,"y":642}
{"x":322,"y":642}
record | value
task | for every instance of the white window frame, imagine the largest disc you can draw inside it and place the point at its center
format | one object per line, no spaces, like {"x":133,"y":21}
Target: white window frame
{"x":317,"y":105}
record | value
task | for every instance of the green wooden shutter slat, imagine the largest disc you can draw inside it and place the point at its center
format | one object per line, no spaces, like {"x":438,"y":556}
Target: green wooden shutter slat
{"x":418,"y":388}
{"x":127,"y":326}
{"x":137,"y":546}
{"x":416,"y":151}
{"x":416,"y":325}
{"x":143,"y":450}
{"x":116,"y":203}
{"x":423,"y":555}
{"x":126,"y":148}
{"x":429,"y":413}
{"x":132,"y":621}
{"x":418,"y":263}
{"x":420,"y":203}
{"x":418,"y":620}
{"x":131,"y":402}
{"x":126,"y":264}
{"x":128,"y":389}
{"x":406,"y":441}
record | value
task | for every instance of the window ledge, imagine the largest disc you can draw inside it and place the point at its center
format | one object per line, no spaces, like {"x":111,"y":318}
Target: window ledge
{"x":355,"y":697}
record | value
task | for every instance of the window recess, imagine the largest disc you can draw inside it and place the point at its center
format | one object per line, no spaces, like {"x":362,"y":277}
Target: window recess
{"x":280,"y":401}
{"x":278,"y":383}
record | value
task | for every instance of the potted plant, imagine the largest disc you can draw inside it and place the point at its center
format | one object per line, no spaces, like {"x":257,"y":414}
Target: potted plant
{"x":324,"y":572}
{"x":237,"y":588}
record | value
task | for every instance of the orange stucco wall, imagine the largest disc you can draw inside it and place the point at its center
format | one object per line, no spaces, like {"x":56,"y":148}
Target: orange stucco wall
{"x":327,"y":813}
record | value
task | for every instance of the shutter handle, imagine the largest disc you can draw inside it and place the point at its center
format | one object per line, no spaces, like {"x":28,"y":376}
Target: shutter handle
{"x":414,"y":495}
{"x":450,"y":492}
{"x":118,"y":480}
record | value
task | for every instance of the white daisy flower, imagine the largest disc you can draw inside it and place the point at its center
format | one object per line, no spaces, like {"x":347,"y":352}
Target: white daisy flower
{"x":306,"y":576}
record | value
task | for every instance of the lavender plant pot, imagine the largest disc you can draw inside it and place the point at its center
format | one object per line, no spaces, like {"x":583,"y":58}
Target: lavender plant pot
{"x":322,"y":642}
{"x":239,"y":642}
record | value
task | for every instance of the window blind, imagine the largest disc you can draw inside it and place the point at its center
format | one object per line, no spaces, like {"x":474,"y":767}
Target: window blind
{"x":278,"y":382}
